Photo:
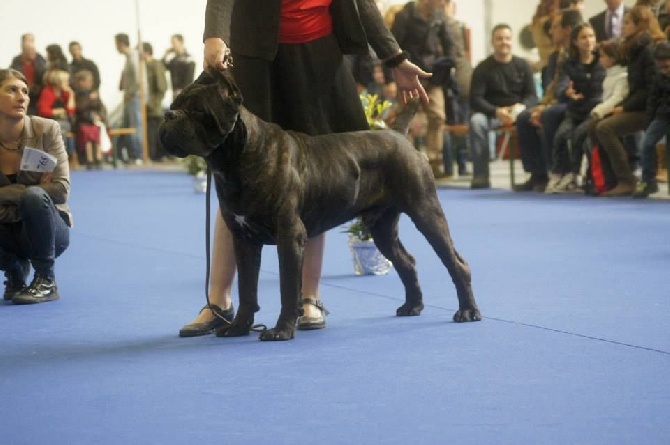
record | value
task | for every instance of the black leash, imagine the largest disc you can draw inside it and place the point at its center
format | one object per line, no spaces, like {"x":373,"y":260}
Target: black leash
{"x":215,"y":309}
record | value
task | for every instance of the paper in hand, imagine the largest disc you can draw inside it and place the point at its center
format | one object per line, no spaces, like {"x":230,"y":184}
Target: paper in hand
{"x":35,"y":160}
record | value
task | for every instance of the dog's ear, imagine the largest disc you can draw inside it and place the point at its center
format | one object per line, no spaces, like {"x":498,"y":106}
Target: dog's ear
{"x":226,"y":107}
{"x":228,"y":88}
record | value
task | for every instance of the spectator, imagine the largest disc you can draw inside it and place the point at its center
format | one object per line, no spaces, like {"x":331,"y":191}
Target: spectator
{"x":420,"y":29}
{"x":34,"y":215}
{"x":664,"y":19}
{"x":33,"y":66}
{"x":540,"y":22}
{"x":56,"y":59}
{"x":658,"y":118}
{"x":131,"y":116}
{"x":607,"y":24}
{"x":89,"y":115}
{"x":536,"y":128}
{"x":501,"y":83}
{"x":57,"y":102}
{"x":80,"y":63}
{"x":156,"y":88}
{"x":179,"y":63}
{"x":584,"y":92}
{"x":640,"y":31}
{"x":457,"y":96}
{"x":657,"y":6}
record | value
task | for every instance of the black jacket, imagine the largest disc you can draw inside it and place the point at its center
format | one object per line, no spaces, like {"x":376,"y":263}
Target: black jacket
{"x":658,"y":103}
{"x":641,"y":69}
{"x":586,"y":80}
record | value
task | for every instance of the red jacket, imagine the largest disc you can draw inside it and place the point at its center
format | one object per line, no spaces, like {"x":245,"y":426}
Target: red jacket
{"x":49,"y":100}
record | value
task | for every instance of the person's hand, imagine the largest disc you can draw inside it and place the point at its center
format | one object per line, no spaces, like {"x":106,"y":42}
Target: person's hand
{"x":572,"y":94}
{"x":217,"y":54}
{"x":617,"y":110}
{"x":406,"y":77}
{"x":46,"y":178}
{"x":504,"y":116}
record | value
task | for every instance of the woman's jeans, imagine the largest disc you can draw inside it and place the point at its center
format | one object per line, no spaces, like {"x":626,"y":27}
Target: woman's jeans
{"x":40,"y":236}
{"x":657,"y":129}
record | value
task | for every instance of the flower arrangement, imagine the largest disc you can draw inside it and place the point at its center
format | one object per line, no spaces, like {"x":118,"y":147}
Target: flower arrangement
{"x":374,"y":112}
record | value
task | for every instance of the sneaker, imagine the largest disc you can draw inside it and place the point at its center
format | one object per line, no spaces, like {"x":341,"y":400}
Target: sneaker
{"x":40,"y":290}
{"x":15,"y":279}
{"x":567,"y":184}
{"x":554,"y":179}
{"x":645,"y":188}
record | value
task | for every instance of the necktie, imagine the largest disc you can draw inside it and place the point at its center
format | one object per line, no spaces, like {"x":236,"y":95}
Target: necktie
{"x":609,"y":26}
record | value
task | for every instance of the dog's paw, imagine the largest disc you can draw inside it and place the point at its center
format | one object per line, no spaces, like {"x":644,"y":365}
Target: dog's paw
{"x":275,"y":334}
{"x":465,"y":315}
{"x":407,"y":310}
{"x":238,"y":328}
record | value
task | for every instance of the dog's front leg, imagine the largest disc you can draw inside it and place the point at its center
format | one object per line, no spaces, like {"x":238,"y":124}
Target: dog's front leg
{"x":248,"y":256}
{"x":290,"y":248}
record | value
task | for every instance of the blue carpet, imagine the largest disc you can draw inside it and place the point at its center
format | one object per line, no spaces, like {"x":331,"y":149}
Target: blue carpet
{"x":574,"y":347}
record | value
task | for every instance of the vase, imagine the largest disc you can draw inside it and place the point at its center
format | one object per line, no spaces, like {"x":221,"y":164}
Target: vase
{"x":368,"y":260}
{"x":200,"y":182}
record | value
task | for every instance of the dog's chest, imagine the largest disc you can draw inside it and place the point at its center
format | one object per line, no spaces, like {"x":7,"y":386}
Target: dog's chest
{"x":250,"y":228}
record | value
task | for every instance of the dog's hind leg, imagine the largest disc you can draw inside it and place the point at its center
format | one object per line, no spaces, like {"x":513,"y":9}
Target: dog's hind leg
{"x":432,"y":223}
{"x":384,"y":231}
{"x":248,"y":256}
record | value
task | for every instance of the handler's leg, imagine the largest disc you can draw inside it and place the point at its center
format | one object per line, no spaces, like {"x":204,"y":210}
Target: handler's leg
{"x":313,"y":317}
{"x":222,"y":274}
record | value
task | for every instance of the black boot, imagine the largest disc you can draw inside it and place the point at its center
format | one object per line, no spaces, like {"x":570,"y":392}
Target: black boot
{"x":40,"y":290}
{"x":536,"y":183}
{"x":15,"y":278}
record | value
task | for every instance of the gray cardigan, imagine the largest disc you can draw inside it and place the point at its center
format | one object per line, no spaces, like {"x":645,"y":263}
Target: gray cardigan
{"x":42,"y":134}
{"x":251,"y":27}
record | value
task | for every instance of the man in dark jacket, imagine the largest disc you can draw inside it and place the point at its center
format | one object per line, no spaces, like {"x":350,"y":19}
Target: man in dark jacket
{"x":32,"y":65}
{"x":502,"y":86}
{"x":180,"y":64}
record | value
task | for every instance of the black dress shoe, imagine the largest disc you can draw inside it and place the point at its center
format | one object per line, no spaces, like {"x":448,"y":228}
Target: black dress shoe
{"x":40,"y":290}
{"x":312,"y":323}
{"x":15,"y":278}
{"x":221,"y":318}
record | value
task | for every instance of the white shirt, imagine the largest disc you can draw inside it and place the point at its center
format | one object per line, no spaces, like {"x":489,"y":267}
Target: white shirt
{"x":616,"y":20}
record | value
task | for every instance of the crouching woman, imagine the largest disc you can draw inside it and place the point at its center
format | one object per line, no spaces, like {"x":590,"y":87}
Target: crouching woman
{"x":34,"y":217}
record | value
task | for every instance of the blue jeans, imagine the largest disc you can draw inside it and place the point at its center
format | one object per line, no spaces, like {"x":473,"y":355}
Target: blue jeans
{"x":132,"y":118}
{"x":480,"y":125}
{"x":551,"y":119}
{"x":568,"y":145}
{"x":657,"y":129}
{"x":40,"y":236}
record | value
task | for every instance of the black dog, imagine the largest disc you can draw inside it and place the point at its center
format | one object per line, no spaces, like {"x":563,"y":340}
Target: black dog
{"x":281,"y":187}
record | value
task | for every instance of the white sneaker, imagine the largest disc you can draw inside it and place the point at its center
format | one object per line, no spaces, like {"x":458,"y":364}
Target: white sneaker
{"x":554,"y":179}
{"x":562,"y":185}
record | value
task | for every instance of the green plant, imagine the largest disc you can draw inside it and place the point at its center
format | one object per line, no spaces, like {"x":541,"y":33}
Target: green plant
{"x":374,"y":112}
{"x":194,"y":164}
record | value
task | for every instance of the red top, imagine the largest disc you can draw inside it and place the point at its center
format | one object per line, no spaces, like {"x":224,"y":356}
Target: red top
{"x":304,"y":20}
{"x":29,"y":71}
{"x":47,"y":102}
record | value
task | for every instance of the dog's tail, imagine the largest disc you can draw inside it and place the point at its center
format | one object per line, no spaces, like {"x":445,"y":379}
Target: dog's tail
{"x":404,"y":118}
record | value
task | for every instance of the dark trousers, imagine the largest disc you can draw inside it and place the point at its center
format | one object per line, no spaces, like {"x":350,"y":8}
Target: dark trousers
{"x":608,"y":133}
{"x":156,"y":151}
{"x":40,"y":236}
{"x":536,"y":144}
{"x":569,"y":145}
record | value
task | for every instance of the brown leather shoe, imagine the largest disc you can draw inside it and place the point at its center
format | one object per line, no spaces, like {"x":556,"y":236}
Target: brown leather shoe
{"x":621,"y":189}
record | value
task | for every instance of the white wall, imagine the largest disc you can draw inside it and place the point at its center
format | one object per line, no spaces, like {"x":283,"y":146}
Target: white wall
{"x":94,"y":24}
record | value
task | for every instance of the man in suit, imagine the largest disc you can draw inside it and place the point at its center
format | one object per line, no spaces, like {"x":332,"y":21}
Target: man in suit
{"x":607,"y":24}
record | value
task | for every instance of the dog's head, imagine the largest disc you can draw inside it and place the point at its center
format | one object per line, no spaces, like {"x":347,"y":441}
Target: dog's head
{"x":201,"y":116}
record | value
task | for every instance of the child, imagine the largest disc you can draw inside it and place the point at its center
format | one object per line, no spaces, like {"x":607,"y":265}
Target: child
{"x":658,"y":116}
{"x":90,"y":113}
{"x":586,"y":76}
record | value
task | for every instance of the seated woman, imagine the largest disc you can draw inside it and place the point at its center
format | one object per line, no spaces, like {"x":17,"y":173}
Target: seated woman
{"x":640,"y":31}
{"x":34,"y":215}
{"x":584,"y":92}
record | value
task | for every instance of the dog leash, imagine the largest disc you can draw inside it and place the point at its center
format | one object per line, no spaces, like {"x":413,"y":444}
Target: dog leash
{"x":215,"y":310}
